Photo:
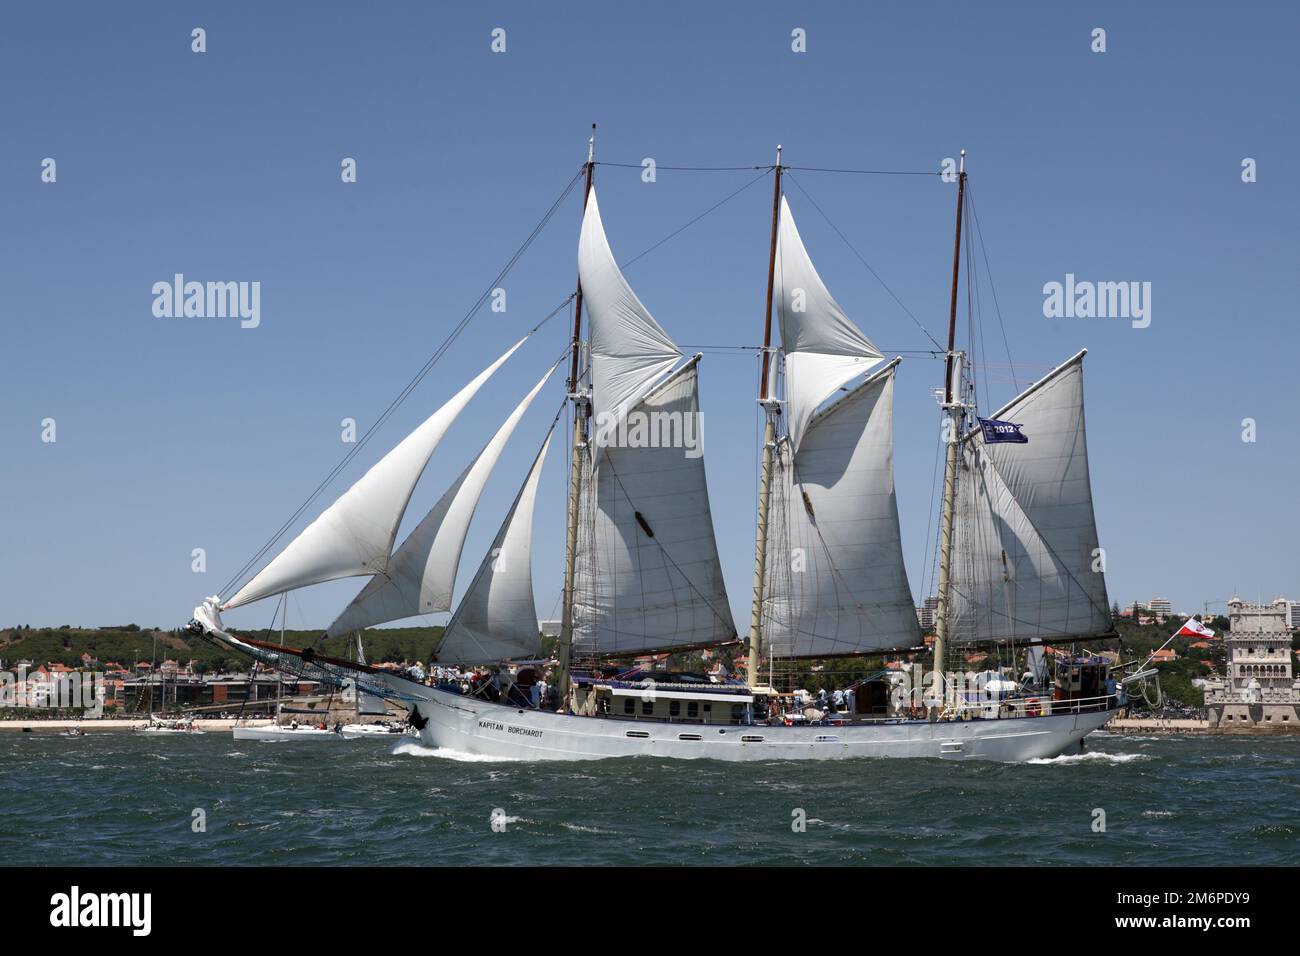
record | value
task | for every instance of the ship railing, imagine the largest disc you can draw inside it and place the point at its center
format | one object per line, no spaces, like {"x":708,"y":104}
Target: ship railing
{"x":1031,"y":706}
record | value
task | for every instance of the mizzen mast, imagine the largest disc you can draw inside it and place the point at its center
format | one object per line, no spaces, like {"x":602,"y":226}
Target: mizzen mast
{"x":955,"y":412}
{"x":581,"y":409}
{"x":771,"y":409}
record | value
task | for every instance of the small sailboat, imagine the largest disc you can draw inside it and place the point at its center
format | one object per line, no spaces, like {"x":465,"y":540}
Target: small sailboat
{"x":1017,"y":550}
{"x":168,"y":725}
{"x":289,"y":731}
{"x":157,"y":723}
{"x":379,"y":727}
{"x":319,"y":726}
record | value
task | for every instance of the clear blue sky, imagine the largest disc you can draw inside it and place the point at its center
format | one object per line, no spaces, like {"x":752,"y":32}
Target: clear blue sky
{"x":175,"y":434}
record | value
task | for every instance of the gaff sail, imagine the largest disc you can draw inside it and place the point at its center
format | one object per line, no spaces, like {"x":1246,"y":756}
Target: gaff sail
{"x":836,"y":583}
{"x":1026,"y":562}
{"x":649,"y":577}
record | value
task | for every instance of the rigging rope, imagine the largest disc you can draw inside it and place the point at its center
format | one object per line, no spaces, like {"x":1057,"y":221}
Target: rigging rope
{"x":412,"y":384}
{"x":691,"y":169}
{"x":988,"y":270}
{"x":688,"y":225}
{"x":768,"y":168}
{"x":974,"y":313}
{"x":861,"y":259}
{"x":867,"y":172}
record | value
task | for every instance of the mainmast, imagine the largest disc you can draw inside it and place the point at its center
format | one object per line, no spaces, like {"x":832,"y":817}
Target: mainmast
{"x":771,"y":409}
{"x":956,"y":414}
{"x":581,"y":409}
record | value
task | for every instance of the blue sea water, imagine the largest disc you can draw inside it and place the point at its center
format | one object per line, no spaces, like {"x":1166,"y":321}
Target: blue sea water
{"x":131,"y":799}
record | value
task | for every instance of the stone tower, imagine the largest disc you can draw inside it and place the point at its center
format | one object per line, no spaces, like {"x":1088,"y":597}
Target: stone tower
{"x":1259,"y":692}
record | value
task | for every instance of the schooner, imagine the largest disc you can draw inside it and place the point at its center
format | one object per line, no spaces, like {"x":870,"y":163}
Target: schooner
{"x":1018,"y":549}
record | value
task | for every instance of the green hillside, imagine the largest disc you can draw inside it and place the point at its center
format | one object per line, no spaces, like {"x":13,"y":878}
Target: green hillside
{"x":129,"y":643}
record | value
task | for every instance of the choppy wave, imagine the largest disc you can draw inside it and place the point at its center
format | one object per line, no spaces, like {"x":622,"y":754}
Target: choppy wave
{"x":579,"y":828}
{"x":1172,"y":800}
{"x":412,"y":749}
{"x":1274,"y":830}
{"x":1092,"y":756}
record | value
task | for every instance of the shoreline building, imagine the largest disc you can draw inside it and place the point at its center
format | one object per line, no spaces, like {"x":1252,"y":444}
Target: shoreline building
{"x":926,"y":613}
{"x":1160,"y":607}
{"x":1259,"y":692}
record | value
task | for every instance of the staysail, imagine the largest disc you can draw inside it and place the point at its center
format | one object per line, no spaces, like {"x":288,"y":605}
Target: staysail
{"x":630,"y":351}
{"x":422,"y":572}
{"x":1026,"y":563}
{"x":823,"y":348}
{"x":355,"y":534}
{"x":497,"y":618}
{"x":649,"y":577}
{"x":836,"y":580}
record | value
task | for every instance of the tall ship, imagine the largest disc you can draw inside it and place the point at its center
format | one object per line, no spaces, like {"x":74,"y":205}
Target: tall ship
{"x":1018,"y":556}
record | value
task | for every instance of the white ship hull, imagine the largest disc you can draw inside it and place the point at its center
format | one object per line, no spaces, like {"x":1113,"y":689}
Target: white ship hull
{"x":483,"y":728}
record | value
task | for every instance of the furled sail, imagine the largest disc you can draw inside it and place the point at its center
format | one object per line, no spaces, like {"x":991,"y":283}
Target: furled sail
{"x":629,"y":349}
{"x":836,"y":580}
{"x":422,"y":572}
{"x":1026,"y":563}
{"x":355,"y":534}
{"x":649,"y":577}
{"x":497,"y":619}
{"x":823,"y":348}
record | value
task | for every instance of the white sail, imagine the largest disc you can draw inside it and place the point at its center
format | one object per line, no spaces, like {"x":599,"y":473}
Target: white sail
{"x":823,"y":348}
{"x":648,"y":571}
{"x":422,"y":572}
{"x":367,"y":704}
{"x":355,"y":534}
{"x":836,"y":580}
{"x":629,"y":349}
{"x":497,"y":618}
{"x":1026,"y":562}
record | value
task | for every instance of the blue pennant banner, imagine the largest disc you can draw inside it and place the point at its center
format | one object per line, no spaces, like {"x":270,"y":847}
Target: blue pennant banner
{"x":995,"y":431}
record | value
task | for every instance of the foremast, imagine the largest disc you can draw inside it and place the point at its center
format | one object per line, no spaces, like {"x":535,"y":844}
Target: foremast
{"x":771,"y":409}
{"x":955,"y":413}
{"x":581,"y":409}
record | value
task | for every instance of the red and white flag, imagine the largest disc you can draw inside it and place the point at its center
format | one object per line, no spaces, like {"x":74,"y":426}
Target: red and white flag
{"x":1194,"y":628}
